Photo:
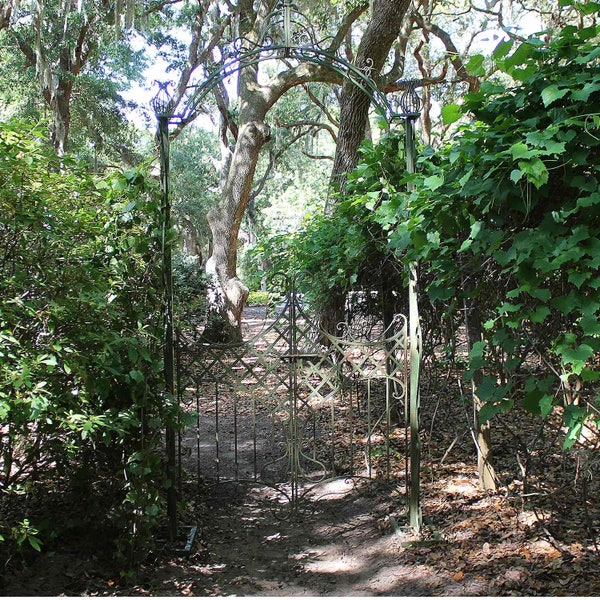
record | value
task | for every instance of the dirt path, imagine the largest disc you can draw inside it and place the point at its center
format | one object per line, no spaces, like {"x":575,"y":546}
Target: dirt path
{"x":339,"y":540}
{"x":341,"y":543}
{"x":345,"y":540}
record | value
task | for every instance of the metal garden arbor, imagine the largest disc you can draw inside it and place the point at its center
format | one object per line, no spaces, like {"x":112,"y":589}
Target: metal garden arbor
{"x":289,"y":36}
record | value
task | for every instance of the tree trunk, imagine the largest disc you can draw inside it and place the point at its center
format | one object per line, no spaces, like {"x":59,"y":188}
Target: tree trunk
{"x":487,"y":475}
{"x":61,"y":117}
{"x":387,"y":17}
{"x":386,"y":21}
{"x":224,"y":220}
{"x":255,"y":100}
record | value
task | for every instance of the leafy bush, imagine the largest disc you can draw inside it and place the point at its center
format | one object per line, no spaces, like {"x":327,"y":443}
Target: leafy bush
{"x":507,"y":216}
{"x":80,"y":328}
{"x":347,"y":248}
{"x":259,"y":298}
{"x":190,"y":284}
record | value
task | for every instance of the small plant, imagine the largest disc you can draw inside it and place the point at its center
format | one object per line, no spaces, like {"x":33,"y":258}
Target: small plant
{"x":26,"y":532}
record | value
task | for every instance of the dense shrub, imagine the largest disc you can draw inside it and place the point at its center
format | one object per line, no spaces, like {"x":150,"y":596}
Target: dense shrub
{"x":506,"y":216}
{"x":504,"y":220}
{"x":80,"y":330}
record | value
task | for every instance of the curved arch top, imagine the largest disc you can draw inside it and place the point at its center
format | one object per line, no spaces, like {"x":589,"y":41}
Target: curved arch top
{"x":359,"y":76}
{"x":288,"y":34}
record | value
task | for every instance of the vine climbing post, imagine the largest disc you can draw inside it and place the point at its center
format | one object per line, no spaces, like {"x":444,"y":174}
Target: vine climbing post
{"x":162,"y":104}
{"x":410,"y":107}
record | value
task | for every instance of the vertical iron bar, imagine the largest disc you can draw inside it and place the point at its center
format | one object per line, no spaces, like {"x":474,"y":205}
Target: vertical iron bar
{"x":179,"y":396}
{"x":217,"y":431}
{"x":415,"y":358}
{"x":254,"y":449}
{"x":333,"y":430}
{"x":388,"y":426}
{"x":293,"y":351}
{"x":369,"y":430}
{"x":179,"y":461}
{"x":294,"y":438}
{"x":314,"y":433}
{"x":351,"y":431}
{"x":198,"y":471}
{"x":162,"y":135}
{"x":235,"y":437}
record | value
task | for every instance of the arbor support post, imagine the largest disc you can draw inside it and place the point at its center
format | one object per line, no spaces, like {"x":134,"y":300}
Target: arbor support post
{"x":163,"y":108}
{"x":414,"y":329}
{"x":410,"y":106}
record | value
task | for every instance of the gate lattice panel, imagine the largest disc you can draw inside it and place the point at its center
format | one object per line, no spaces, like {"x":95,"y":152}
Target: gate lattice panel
{"x":294,"y":405}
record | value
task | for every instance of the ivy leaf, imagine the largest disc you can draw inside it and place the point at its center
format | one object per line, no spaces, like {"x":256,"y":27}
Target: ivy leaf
{"x":451,"y":113}
{"x":515,"y":175}
{"x":538,"y":403}
{"x":576,"y":357}
{"x":520,"y":150}
{"x":542,"y":294}
{"x":490,"y":409}
{"x":578,"y":278}
{"x":584,"y":93}
{"x":535,"y":171}
{"x":419,"y":239}
{"x":440,"y":292}
{"x":588,"y":8}
{"x":590,"y":325}
{"x":502,"y":49}
{"x":539,"y":314}
{"x":433,"y":182}
{"x":573,"y":418}
{"x":475,"y":65}
{"x":552,"y":93}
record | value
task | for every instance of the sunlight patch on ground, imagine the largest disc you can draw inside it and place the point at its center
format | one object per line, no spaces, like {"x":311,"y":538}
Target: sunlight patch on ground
{"x":342,"y":557}
{"x":529,"y":518}
{"x":334,"y":488}
{"x":393,"y":579}
{"x":335,"y":564}
{"x":460,"y":486}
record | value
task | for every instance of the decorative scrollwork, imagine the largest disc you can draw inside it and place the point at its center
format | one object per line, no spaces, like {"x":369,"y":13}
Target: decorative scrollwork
{"x":302,"y":39}
{"x":367,"y":67}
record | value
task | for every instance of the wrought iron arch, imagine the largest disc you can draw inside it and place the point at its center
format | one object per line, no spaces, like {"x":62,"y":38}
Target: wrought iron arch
{"x":288,"y":35}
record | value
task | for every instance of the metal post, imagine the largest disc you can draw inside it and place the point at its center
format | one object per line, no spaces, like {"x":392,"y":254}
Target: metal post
{"x":163,"y":108}
{"x":410,"y":104}
{"x":287,"y":25}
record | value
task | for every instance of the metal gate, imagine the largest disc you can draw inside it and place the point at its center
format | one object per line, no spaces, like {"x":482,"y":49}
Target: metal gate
{"x":294,"y":406}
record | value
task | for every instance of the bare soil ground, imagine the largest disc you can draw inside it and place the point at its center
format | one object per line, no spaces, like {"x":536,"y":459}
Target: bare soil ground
{"x":536,"y":536}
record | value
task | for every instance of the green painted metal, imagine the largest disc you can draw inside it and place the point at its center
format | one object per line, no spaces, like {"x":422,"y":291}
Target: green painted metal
{"x":249,"y":377}
{"x":288,"y":36}
{"x":162,"y":136}
{"x":415,"y":517}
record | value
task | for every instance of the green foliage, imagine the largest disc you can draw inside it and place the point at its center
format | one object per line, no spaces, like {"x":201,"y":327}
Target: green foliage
{"x":347,"y":248}
{"x":25,"y":532}
{"x":80,"y":324}
{"x":193,"y":176}
{"x":80,"y":50}
{"x":259,"y":298}
{"x":190,"y":284}
{"x":507,"y":215}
